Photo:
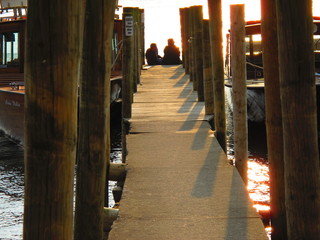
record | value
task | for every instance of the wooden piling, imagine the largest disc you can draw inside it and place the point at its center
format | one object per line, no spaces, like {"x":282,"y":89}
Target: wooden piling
{"x":94,"y":120}
{"x":273,"y":119}
{"x":117,"y":172}
{"x":142,"y":34}
{"x":299,"y":117}
{"x":193,"y":76}
{"x":207,"y":70}
{"x":136,"y":47}
{"x":216,"y":41}
{"x":198,"y":20}
{"x":52,"y":74}
{"x":183,"y":35}
{"x":128,"y":62}
{"x":239,"y":88}
{"x":110,"y":215}
{"x":187,"y":37}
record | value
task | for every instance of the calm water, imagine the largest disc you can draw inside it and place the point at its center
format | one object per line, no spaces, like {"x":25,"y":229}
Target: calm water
{"x":12,"y":182}
{"x":11,"y":189}
{"x":258,"y":166}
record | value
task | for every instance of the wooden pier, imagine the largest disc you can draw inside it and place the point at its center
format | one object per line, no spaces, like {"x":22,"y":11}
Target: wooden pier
{"x":180,"y":185}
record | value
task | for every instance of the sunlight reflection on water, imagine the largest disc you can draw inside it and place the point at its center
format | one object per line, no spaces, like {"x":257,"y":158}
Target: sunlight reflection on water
{"x":12,"y":183}
{"x":258,"y":165}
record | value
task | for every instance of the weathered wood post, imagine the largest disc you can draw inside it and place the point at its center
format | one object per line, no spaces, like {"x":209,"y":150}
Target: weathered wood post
{"x":273,"y":118}
{"x":187,"y":37}
{"x":215,"y":22}
{"x":207,"y":70}
{"x":183,"y":35}
{"x":299,"y":117}
{"x":193,"y":76}
{"x":239,"y":88}
{"x":94,"y":120}
{"x":190,"y":40}
{"x":188,"y":47}
{"x":52,"y":75}
{"x":227,"y":59}
{"x":128,"y":59}
{"x":198,"y":20}
{"x":137,"y":60}
{"x":127,"y":73}
{"x":142,"y":34}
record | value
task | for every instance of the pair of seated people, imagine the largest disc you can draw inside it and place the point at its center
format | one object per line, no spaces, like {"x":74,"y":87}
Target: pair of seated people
{"x":171,"y":54}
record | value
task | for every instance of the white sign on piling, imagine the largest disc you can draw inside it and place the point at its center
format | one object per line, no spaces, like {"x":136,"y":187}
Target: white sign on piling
{"x":129,"y":25}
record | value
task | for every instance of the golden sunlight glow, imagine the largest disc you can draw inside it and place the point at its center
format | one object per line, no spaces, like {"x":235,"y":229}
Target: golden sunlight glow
{"x":162,"y":19}
{"x":259,"y":187}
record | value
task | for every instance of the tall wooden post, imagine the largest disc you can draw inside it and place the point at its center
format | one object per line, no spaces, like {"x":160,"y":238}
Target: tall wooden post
{"x":187,"y":37}
{"x":138,"y":33}
{"x":94,"y":120}
{"x":215,"y":20}
{"x":188,"y":52}
{"x":183,"y":35}
{"x":137,"y":45}
{"x":128,"y":62}
{"x":198,"y":19}
{"x":207,"y":70}
{"x":239,"y":88}
{"x":193,"y":77}
{"x":128,"y":66}
{"x":142,"y":36}
{"x":273,"y":118}
{"x":52,"y":75}
{"x":298,"y":102}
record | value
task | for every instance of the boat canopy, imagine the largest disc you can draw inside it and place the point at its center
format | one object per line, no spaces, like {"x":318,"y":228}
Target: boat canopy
{"x":254,"y":27}
{"x":13,"y":9}
{"x":7,"y":4}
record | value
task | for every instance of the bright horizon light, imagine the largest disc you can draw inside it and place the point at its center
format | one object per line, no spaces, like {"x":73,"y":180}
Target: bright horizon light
{"x":162,"y":20}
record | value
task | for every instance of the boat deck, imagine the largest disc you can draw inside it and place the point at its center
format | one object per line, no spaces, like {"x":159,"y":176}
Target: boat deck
{"x":10,"y":89}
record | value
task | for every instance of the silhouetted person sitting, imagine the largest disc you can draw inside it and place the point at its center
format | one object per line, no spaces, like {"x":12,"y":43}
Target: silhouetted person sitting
{"x":152,"y":55}
{"x":171,"y":54}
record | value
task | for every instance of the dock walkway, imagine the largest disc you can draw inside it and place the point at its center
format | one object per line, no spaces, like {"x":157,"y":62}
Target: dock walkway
{"x":179,"y":185}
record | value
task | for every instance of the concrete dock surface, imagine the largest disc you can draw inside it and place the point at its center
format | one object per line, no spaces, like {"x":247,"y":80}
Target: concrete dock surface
{"x":179,"y":185}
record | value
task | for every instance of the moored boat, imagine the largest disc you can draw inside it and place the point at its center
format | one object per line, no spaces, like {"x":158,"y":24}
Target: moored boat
{"x":254,"y":67}
{"x":12,"y":91}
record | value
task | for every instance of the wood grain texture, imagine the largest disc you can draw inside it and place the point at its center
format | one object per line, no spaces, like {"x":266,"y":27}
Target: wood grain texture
{"x":53,"y":52}
{"x":94,"y":120}
{"x":239,"y":88}
{"x":298,"y":102}
{"x":273,"y":118}
{"x":215,"y":19}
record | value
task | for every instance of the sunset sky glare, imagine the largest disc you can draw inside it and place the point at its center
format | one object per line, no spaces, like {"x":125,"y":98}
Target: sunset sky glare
{"x":162,"y":20}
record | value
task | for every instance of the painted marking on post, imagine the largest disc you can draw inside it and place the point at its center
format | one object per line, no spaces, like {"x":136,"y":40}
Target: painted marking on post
{"x":129,"y":25}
